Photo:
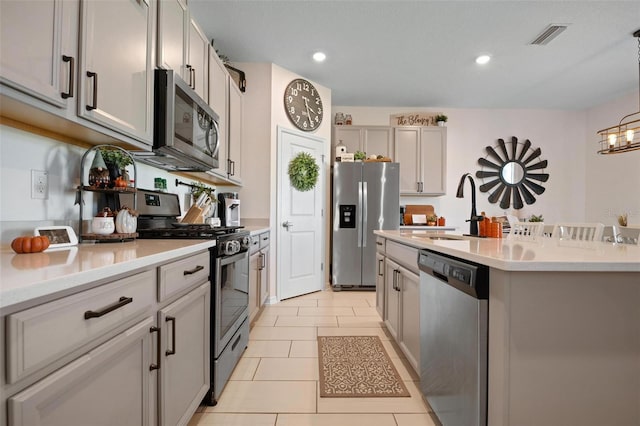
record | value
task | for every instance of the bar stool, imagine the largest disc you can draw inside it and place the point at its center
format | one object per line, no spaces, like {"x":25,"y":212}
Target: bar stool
{"x":525,"y":230}
{"x":578,"y":231}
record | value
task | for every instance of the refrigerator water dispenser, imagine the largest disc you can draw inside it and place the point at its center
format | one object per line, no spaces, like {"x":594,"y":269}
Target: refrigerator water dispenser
{"x":347,"y":216}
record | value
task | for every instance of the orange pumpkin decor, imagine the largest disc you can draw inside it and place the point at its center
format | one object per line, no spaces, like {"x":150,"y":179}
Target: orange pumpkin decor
{"x":120,"y":182}
{"x":30,"y":244}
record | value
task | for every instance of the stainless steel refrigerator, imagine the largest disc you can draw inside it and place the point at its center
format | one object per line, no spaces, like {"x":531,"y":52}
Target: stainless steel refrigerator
{"x":366,"y":197}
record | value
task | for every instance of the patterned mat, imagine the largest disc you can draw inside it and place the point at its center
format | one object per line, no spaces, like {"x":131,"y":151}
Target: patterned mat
{"x":357,"y":366}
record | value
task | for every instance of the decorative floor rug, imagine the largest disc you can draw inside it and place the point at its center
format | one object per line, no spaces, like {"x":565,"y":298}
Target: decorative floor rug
{"x":357,"y":366}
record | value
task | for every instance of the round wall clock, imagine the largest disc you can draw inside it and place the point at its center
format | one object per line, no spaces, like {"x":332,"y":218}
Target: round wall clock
{"x":303,"y":105}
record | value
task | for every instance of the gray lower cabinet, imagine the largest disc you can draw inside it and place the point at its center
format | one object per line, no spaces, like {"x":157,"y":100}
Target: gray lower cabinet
{"x":402,"y":301}
{"x":133,"y":351}
{"x":111,"y":384}
{"x":380,"y":286}
{"x":254,"y":278}
{"x":410,"y":317}
{"x":184,"y":369}
{"x":392,"y":298}
{"x":258,"y":273}
{"x":265,"y":288}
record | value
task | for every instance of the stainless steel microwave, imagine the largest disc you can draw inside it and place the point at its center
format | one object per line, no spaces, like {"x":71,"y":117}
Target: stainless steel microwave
{"x":185,"y":128}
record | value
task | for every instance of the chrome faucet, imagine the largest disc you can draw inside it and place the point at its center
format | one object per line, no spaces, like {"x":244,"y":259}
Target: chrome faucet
{"x":474,"y":219}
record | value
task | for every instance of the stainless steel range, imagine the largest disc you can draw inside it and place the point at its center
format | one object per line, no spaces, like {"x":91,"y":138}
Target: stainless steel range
{"x":158,"y":218}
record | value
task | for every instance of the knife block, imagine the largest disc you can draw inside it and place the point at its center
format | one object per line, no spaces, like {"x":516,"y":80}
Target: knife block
{"x":193,"y":215}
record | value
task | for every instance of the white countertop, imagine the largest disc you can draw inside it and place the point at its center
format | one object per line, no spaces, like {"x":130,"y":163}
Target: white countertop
{"x":258,"y":229}
{"x":37,"y":276}
{"x":544,"y":254}
{"x":429,"y":228}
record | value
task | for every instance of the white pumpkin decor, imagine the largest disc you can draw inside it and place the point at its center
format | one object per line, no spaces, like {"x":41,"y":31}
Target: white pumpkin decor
{"x":126,"y":221}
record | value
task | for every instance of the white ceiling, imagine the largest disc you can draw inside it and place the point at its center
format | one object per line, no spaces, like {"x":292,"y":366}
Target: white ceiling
{"x":421,"y":53}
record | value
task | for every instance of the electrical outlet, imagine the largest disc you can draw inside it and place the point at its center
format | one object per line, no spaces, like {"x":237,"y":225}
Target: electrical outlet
{"x":39,"y":184}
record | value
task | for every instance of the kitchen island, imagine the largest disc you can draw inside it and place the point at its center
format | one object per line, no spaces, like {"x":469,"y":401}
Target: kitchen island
{"x":564,"y":327}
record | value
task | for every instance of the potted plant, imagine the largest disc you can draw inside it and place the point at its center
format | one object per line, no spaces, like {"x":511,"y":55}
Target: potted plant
{"x":116,"y":160}
{"x":432,"y":220}
{"x":535,"y":218}
{"x":359,"y":156}
{"x":197,"y":189}
{"x":441,"y":119}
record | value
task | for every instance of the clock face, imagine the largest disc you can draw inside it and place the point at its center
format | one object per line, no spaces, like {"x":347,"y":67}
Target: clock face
{"x":303,"y":105}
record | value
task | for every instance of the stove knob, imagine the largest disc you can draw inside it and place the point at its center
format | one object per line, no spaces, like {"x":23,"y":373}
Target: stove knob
{"x":245,"y":242}
{"x":229,"y":248}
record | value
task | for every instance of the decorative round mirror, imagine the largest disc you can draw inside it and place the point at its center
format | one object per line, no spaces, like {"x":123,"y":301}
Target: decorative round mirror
{"x":510,"y":172}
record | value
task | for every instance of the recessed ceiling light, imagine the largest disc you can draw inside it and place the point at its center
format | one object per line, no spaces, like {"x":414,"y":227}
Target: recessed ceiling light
{"x":483,"y":59}
{"x":319,"y":56}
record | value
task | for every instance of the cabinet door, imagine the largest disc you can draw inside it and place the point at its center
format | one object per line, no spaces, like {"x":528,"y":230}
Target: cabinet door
{"x":219,"y":102}
{"x":264,"y":276}
{"x":392,"y":298}
{"x":234,"y":162}
{"x":184,"y":371}
{"x":378,"y":141}
{"x":110,"y":385}
{"x":433,"y":153}
{"x":407,"y":150}
{"x":351,"y":137}
{"x":34,"y":38}
{"x":173,"y":33}
{"x":254,"y":285}
{"x":116,"y":78}
{"x":380,"y":286}
{"x":410,"y":316}
{"x":198,"y":61}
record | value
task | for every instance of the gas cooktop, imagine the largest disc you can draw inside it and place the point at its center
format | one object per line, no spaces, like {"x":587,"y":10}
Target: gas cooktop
{"x":189,"y":231}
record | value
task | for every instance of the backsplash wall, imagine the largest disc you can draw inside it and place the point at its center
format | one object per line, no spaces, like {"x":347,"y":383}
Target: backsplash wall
{"x":21,"y":152}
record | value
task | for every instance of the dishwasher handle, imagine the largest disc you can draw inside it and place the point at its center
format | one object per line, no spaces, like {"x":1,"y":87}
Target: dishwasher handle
{"x":440,"y":276}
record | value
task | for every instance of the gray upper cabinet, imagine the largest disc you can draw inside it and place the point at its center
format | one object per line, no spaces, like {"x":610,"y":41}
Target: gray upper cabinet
{"x":198,"y":62}
{"x":219,"y":102}
{"x":67,"y":59}
{"x":38,"y":48}
{"x":182,"y":46}
{"x":116,"y":74}
{"x":422,"y":154}
{"x":372,"y":140}
{"x":234,"y":161}
{"x":173,"y":35}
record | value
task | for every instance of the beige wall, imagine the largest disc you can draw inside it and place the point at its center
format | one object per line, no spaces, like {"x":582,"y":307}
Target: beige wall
{"x":560,"y":135}
{"x":611,"y":181}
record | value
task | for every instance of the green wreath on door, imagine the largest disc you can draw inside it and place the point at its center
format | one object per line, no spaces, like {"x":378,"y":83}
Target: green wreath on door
{"x":303,"y":172}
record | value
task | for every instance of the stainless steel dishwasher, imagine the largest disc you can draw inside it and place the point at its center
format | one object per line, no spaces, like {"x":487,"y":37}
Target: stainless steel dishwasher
{"x":454,"y":309}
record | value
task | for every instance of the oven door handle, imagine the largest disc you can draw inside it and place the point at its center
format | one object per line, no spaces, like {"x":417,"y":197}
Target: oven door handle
{"x":232,"y":259}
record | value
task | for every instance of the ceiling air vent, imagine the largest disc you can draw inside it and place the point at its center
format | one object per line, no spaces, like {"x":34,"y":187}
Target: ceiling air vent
{"x":549,"y":33}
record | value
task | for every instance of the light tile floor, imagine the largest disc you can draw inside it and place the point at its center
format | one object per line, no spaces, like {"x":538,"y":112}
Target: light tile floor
{"x":276,"y":381}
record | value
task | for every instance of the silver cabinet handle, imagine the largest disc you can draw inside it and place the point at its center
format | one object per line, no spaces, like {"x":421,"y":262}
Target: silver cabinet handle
{"x":287,"y":224}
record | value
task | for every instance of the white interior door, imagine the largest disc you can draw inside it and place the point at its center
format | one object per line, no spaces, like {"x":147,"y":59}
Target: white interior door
{"x":301,"y":233}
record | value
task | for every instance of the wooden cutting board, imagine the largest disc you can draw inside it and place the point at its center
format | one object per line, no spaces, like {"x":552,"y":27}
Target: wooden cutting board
{"x":411,"y":209}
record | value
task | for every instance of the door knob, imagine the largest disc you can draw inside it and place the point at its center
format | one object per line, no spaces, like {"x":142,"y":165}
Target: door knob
{"x":287,"y":224}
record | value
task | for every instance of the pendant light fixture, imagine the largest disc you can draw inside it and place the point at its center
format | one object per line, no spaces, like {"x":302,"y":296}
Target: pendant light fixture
{"x":625,"y":136}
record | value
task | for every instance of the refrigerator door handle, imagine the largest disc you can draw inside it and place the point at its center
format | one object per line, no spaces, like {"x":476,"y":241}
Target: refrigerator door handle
{"x":359,"y":214}
{"x":365,"y":214}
